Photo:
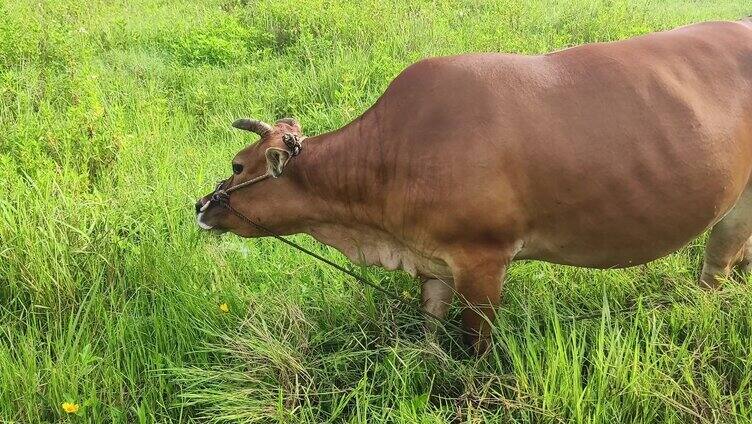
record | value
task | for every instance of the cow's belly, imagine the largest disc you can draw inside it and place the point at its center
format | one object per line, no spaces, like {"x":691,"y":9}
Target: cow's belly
{"x":637,"y":222}
{"x":606,"y":249}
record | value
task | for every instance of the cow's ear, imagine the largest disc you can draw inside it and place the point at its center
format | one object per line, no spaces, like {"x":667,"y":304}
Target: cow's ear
{"x":276,"y":159}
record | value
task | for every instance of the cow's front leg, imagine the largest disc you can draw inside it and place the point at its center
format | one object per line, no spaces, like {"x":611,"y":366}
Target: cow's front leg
{"x":437,"y":297}
{"x":478,"y":284}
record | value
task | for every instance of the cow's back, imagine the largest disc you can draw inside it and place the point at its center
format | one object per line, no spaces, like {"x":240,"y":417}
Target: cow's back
{"x":648,"y":142}
{"x":602,"y":155}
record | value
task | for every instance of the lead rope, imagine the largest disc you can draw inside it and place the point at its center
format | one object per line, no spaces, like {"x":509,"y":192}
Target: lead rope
{"x":225,"y":203}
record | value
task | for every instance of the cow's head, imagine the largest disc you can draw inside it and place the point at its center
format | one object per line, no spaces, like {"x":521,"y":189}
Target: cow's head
{"x":260,"y":199}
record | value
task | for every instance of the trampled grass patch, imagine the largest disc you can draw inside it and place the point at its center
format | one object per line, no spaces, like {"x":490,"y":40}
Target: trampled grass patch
{"x":114,"y":117}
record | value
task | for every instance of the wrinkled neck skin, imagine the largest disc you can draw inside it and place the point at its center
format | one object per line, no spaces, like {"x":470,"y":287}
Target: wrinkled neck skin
{"x":339,"y":185}
{"x":336,"y":175}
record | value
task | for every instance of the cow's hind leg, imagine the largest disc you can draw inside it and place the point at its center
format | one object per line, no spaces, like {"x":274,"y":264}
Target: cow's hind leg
{"x":728,"y":244}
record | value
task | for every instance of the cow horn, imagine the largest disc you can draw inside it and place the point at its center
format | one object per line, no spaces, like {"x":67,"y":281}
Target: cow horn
{"x":252,"y":125}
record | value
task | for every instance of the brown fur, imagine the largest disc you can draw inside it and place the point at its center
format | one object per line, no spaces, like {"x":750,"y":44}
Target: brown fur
{"x":603,"y":155}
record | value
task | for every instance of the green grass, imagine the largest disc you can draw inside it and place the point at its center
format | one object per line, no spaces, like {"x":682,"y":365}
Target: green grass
{"x":114,"y":118}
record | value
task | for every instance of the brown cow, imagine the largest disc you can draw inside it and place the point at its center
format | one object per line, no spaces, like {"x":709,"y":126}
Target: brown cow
{"x":603,"y":155}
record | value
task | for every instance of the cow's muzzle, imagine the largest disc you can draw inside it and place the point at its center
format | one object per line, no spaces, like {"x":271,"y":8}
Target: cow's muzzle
{"x":218,"y":197}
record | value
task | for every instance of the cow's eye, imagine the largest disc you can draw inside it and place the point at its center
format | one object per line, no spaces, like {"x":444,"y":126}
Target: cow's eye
{"x":237,"y":168}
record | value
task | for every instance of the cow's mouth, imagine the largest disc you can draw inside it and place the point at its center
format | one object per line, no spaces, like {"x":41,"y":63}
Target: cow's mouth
{"x":202,"y":224}
{"x":208,"y":227}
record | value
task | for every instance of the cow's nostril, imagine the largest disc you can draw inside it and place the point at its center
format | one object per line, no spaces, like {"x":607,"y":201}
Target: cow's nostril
{"x":199,"y":205}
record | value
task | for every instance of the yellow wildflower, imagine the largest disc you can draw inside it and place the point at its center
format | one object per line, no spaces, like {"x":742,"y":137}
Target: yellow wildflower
{"x":70,"y":407}
{"x":224,"y":308}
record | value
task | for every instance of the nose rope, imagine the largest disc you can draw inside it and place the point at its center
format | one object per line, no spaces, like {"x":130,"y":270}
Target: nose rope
{"x":220,"y":195}
{"x":295,"y":145}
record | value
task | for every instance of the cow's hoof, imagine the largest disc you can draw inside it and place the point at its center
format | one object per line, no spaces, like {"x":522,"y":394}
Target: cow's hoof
{"x":477,"y":346}
{"x":709,"y":283}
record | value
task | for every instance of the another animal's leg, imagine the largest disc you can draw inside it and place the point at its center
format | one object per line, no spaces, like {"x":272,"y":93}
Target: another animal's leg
{"x":727,"y":244}
{"x":745,"y":265}
{"x":437,"y":297}
{"x":478,"y":285}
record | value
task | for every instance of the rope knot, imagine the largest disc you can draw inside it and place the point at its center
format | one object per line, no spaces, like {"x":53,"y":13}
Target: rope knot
{"x":293,"y":143}
{"x":221,"y":197}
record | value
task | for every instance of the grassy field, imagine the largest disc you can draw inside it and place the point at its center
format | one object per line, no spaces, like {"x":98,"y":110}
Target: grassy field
{"x":114,"y":117}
